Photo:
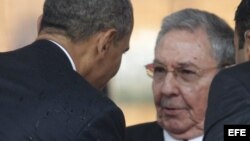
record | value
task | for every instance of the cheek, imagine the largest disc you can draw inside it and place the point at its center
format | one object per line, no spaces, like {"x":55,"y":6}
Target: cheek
{"x":116,"y":65}
{"x":116,"y":59}
{"x":118,"y":62}
{"x":200,"y":109}
{"x":236,"y":42}
{"x":156,"y":92}
{"x":197,"y":96}
{"x":197,"y":100}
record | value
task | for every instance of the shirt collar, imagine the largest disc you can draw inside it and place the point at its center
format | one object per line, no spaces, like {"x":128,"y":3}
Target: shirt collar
{"x":67,"y":54}
{"x":167,"y":137}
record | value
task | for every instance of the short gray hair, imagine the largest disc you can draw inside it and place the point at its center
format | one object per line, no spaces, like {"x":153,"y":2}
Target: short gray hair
{"x":80,"y":19}
{"x":220,"y":34}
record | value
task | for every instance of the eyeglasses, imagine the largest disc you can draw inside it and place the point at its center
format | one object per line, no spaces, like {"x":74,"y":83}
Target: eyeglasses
{"x":183,"y":75}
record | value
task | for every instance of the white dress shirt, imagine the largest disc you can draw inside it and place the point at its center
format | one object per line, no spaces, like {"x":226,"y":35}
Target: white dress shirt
{"x":67,"y":54}
{"x":167,"y":137}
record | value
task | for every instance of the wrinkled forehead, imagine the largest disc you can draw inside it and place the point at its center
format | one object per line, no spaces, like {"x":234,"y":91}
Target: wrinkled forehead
{"x":184,"y":47}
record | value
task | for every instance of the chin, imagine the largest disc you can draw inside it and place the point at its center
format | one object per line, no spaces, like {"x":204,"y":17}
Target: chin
{"x":170,"y":124}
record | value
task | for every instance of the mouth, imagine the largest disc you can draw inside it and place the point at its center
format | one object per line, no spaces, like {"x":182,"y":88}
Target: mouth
{"x":171,"y":111}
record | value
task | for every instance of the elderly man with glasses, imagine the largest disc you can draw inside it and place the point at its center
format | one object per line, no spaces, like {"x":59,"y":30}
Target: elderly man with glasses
{"x":192,"y":46}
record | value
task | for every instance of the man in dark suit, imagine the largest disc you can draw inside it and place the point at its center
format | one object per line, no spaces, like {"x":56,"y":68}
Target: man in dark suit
{"x":192,"y":46}
{"x":228,"y":102}
{"x":49,"y":90}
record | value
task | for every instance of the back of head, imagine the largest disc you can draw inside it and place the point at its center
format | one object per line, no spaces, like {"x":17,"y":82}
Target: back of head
{"x":242,"y":20}
{"x":80,"y":19}
{"x":219,"y":33}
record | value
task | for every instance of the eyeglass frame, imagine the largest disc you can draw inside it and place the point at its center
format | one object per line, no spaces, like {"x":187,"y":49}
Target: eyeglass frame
{"x":177,"y":72}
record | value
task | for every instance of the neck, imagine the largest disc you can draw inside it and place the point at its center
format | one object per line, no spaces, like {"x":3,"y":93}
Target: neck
{"x":82,"y":54}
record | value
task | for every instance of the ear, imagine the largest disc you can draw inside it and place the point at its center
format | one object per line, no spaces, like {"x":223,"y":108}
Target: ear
{"x":247,"y":42}
{"x":105,"y":41}
{"x":39,"y":20}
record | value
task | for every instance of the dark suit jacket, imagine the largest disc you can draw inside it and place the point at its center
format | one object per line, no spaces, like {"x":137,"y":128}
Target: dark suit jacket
{"x":43,"y":99}
{"x":144,"y":132}
{"x":229,"y":101}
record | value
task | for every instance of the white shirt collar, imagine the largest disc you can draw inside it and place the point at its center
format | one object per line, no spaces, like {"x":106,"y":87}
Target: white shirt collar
{"x":67,"y":54}
{"x":167,"y":137}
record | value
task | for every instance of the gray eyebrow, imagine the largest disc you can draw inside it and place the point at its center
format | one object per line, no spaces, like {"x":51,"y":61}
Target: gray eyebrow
{"x":179,"y":64}
{"x":187,"y":64}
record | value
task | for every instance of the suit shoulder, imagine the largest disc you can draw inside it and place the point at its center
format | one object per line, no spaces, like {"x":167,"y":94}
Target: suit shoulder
{"x":145,"y":131}
{"x":143,"y":126}
{"x":236,"y":69}
{"x":236,"y":73}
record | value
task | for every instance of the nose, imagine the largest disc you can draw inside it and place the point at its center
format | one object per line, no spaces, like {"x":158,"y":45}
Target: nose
{"x":169,"y":86}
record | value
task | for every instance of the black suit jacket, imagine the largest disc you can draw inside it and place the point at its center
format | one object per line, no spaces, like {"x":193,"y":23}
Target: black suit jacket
{"x":229,"y":101}
{"x":43,"y":99}
{"x":144,"y":132}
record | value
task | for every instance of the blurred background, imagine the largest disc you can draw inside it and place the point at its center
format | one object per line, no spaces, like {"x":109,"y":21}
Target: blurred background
{"x":130,"y":89}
